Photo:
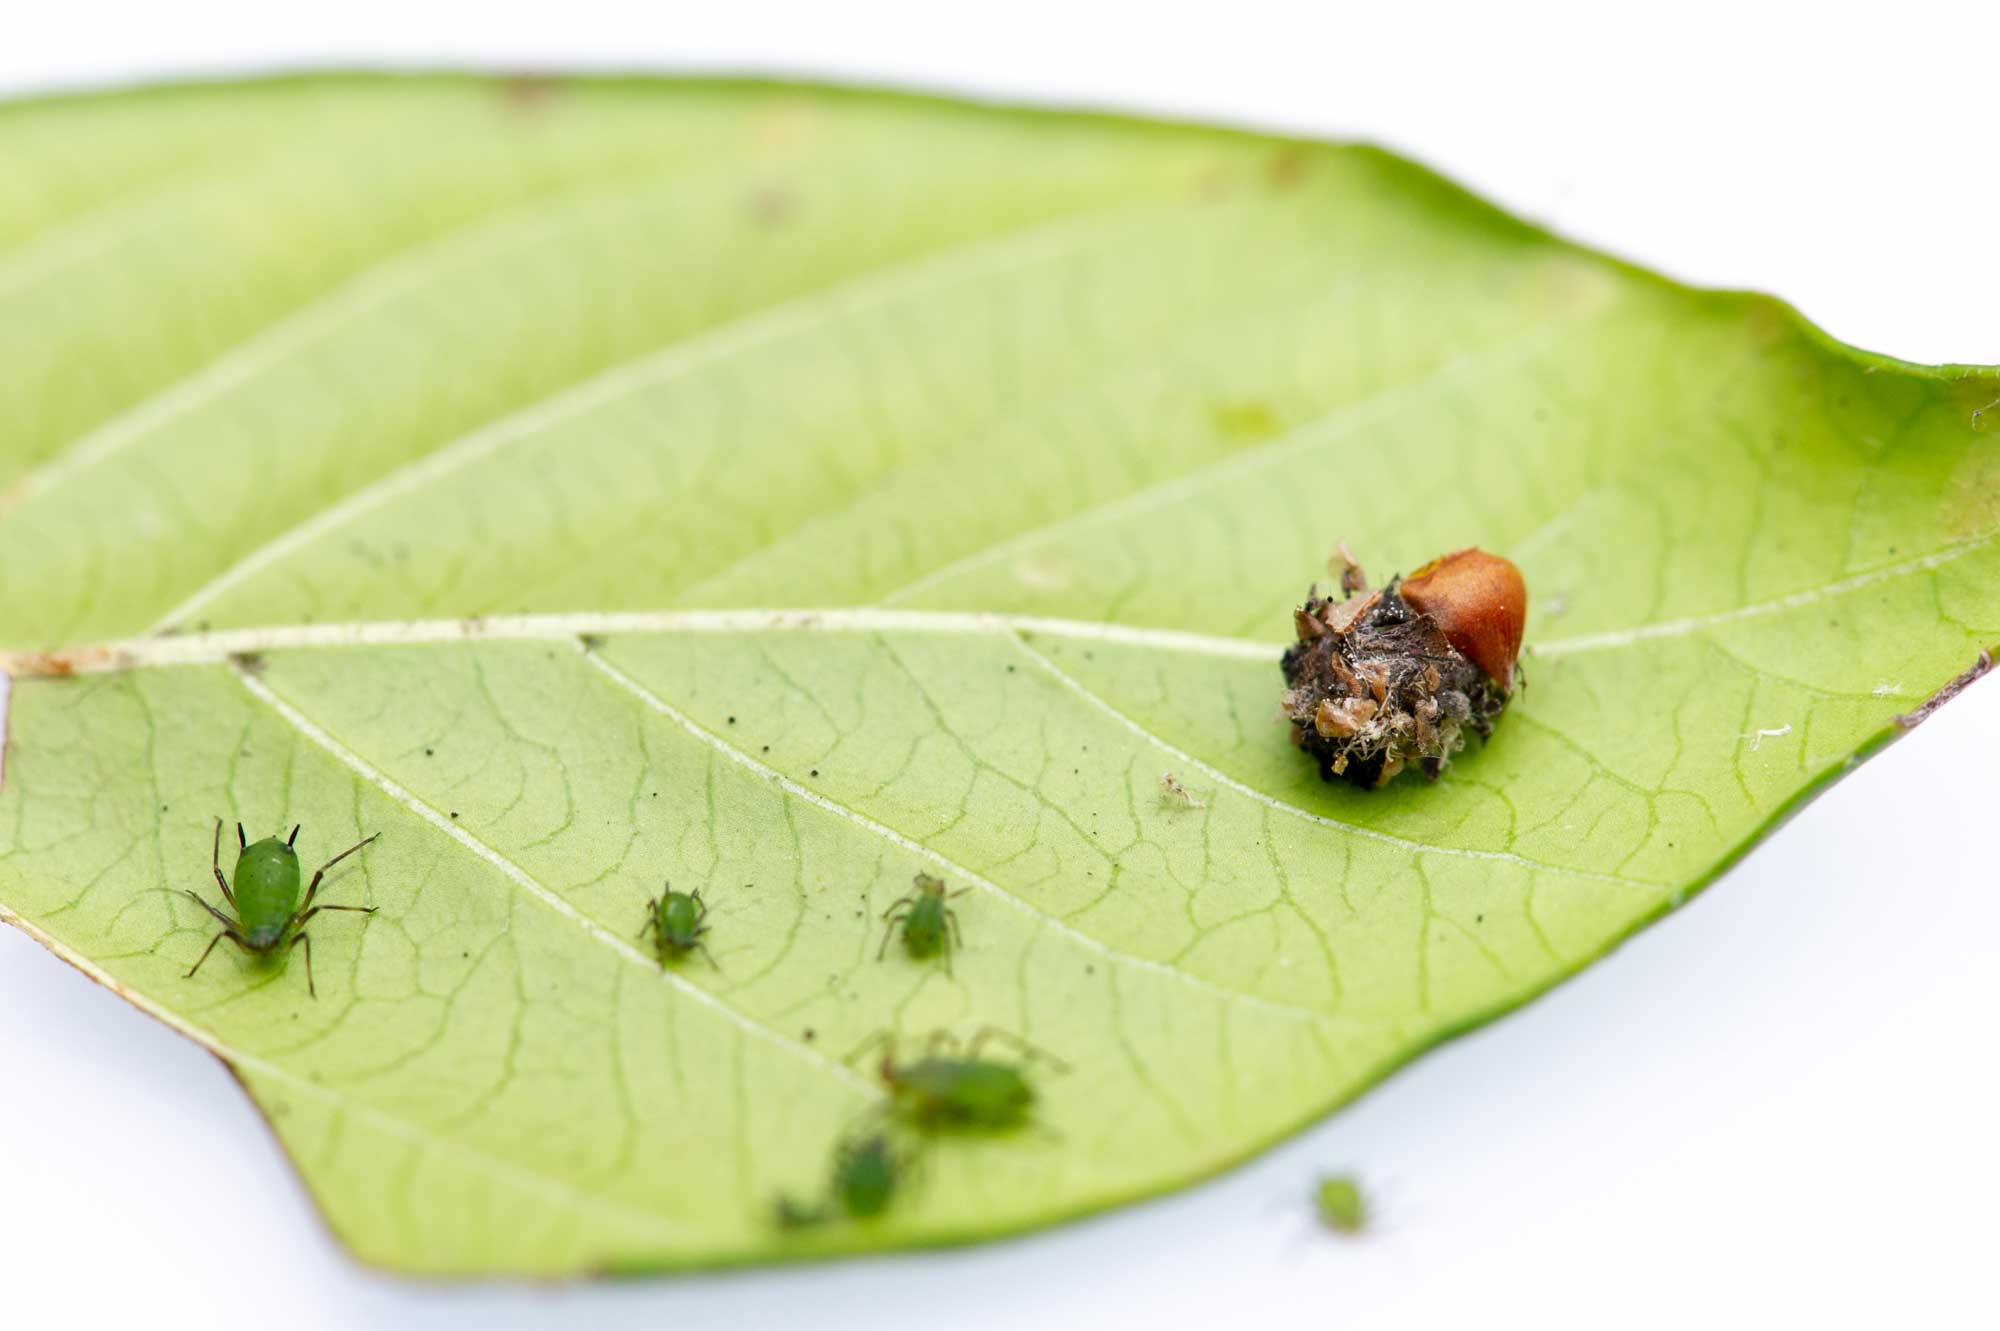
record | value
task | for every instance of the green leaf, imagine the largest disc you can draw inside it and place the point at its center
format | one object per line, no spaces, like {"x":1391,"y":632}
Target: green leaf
{"x":782,"y":491}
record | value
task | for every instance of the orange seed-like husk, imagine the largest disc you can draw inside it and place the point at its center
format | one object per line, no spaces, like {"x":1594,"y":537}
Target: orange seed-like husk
{"x":1480,"y":601}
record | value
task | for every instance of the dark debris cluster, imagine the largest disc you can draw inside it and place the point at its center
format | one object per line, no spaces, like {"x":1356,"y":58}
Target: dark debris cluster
{"x":1375,"y":687}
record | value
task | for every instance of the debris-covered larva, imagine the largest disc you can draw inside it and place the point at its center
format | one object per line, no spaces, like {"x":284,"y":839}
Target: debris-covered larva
{"x":1391,"y":678}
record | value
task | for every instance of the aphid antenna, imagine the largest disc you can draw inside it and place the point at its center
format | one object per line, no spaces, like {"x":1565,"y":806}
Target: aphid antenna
{"x":884,"y":1039}
{"x":1023,"y":1047}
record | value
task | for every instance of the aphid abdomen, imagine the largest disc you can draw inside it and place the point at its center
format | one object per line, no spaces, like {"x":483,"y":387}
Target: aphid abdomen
{"x":923,"y":931}
{"x":865,"y":1177}
{"x":679,"y":918}
{"x":266,"y":884}
{"x":964,"y":1093}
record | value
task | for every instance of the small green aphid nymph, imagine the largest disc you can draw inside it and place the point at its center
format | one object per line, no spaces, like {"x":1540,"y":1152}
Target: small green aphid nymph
{"x":1338,"y":1203}
{"x":867,"y":1171}
{"x":675,"y":920}
{"x":866,"y":1174}
{"x":946,"y":1091}
{"x":929,"y":927}
{"x":270,"y":918}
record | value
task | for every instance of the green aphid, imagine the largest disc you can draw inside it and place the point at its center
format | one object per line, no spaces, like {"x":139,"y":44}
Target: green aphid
{"x":866,"y":1174}
{"x":930,"y":928}
{"x":270,"y":918}
{"x":1338,"y":1202}
{"x":867,"y":1171}
{"x":945,"y":1091}
{"x":675,"y":920}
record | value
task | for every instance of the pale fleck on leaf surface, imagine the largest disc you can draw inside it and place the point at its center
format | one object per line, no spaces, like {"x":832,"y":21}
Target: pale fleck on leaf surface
{"x":435,"y":457}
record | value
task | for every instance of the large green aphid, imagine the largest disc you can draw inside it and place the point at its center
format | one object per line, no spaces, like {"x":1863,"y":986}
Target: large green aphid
{"x":948,"y":1091}
{"x":270,"y":917}
{"x":675,"y":920}
{"x":930,"y":928}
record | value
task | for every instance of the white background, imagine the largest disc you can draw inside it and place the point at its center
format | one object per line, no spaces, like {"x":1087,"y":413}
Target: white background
{"x":1776,"y":1107}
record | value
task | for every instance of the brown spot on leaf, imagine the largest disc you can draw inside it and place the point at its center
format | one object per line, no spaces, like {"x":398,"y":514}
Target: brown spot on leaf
{"x":1289,"y":168}
{"x":529,"y":93}
{"x":1959,"y":683}
{"x":772,"y":205}
{"x":58,"y":664}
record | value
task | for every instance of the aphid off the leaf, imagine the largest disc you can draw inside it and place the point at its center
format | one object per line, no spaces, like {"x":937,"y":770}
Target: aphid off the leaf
{"x":929,"y":927}
{"x":270,"y":918}
{"x":1172,"y":791}
{"x":1339,"y":1205}
{"x":1393,"y":678}
{"x":950,"y":1091}
{"x":676,"y":922}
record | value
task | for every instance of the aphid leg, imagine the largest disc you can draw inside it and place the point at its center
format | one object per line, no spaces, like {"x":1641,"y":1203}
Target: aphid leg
{"x":709,"y":955}
{"x":226,"y":921}
{"x":361,"y":910}
{"x":907,"y":899}
{"x":985,"y":1033}
{"x":951,"y":920}
{"x":652,"y":917}
{"x":308,"y":945}
{"x":215,"y":860}
{"x":890,"y":933}
{"x":321,"y":873}
{"x":229,"y":933}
